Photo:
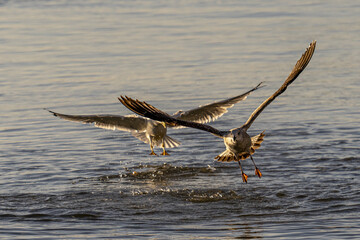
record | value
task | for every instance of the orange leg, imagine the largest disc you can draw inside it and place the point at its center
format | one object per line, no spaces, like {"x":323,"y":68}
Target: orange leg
{"x":152,"y":150}
{"x":244,"y":176}
{"x":257,"y":171}
{"x":164,"y":153}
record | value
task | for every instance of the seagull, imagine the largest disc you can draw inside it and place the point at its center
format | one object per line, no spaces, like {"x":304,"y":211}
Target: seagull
{"x":239,"y":145}
{"x":154,"y":132}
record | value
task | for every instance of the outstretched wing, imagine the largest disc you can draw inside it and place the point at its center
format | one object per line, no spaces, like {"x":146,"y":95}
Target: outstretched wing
{"x":212,"y":111}
{"x":149,"y":111}
{"x":299,"y":67}
{"x":113,"y":122}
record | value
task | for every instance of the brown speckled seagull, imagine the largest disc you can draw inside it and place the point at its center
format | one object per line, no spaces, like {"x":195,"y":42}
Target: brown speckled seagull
{"x":154,"y":132}
{"x":239,"y":145}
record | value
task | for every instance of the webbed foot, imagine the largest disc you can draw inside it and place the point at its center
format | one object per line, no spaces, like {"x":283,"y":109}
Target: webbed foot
{"x":165,"y":153}
{"x":258,"y":173}
{"x":153,"y":153}
{"x":244,"y":177}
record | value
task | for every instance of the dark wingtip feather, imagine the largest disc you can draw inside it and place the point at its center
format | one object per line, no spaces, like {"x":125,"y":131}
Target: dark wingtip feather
{"x":53,"y":113}
{"x":126,"y":101}
{"x":146,"y":110}
{"x":260,"y":85}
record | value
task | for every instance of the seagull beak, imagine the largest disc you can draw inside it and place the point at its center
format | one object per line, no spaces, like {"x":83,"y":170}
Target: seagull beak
{"x":164,"y":124}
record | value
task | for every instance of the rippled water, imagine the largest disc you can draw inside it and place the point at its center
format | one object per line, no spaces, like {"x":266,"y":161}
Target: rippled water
{"x":63,"y":180}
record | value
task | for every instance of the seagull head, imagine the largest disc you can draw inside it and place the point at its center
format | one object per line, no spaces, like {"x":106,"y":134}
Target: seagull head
{"x":236,"y":134}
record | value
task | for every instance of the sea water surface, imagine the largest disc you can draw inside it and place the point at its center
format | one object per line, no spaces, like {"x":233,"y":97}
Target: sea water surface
{"x":64,"y":180}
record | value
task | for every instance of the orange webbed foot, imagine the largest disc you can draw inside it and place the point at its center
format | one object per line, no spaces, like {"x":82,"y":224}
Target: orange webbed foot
{"x":258,"y":173}
{"x":153,"y":153}
{"x":165,"y":153}
{"x":244,"y":177}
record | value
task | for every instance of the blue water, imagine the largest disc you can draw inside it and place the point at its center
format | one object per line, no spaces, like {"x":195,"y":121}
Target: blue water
{"x":63,"y":180}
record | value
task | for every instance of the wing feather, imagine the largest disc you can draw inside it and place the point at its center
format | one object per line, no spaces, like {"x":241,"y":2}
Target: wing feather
{"x":298,"y":68}
{"x":112,"y":122}
{"x":212,"y":111}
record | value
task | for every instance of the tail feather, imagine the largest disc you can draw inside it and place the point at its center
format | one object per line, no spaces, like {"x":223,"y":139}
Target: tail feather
{"x":225,"y":156}
{"x":170,"y":142}
{"x":244,"y":155}
{"x":256,"y":142}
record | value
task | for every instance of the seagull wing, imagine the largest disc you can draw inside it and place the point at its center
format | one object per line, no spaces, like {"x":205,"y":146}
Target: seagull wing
{"x":113,"y":122}
{"x":146,"y":110}
{"x":212,"y":111}
{"x":299,"y":67}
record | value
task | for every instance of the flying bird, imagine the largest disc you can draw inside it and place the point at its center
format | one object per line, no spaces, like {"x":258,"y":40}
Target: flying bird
{"x":154,"y":132}
{"x":239,"y":145}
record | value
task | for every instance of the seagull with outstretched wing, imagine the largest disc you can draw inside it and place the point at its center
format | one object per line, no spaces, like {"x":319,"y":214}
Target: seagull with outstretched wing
{"x":239,"y":145}
{"x":154,"y":132}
